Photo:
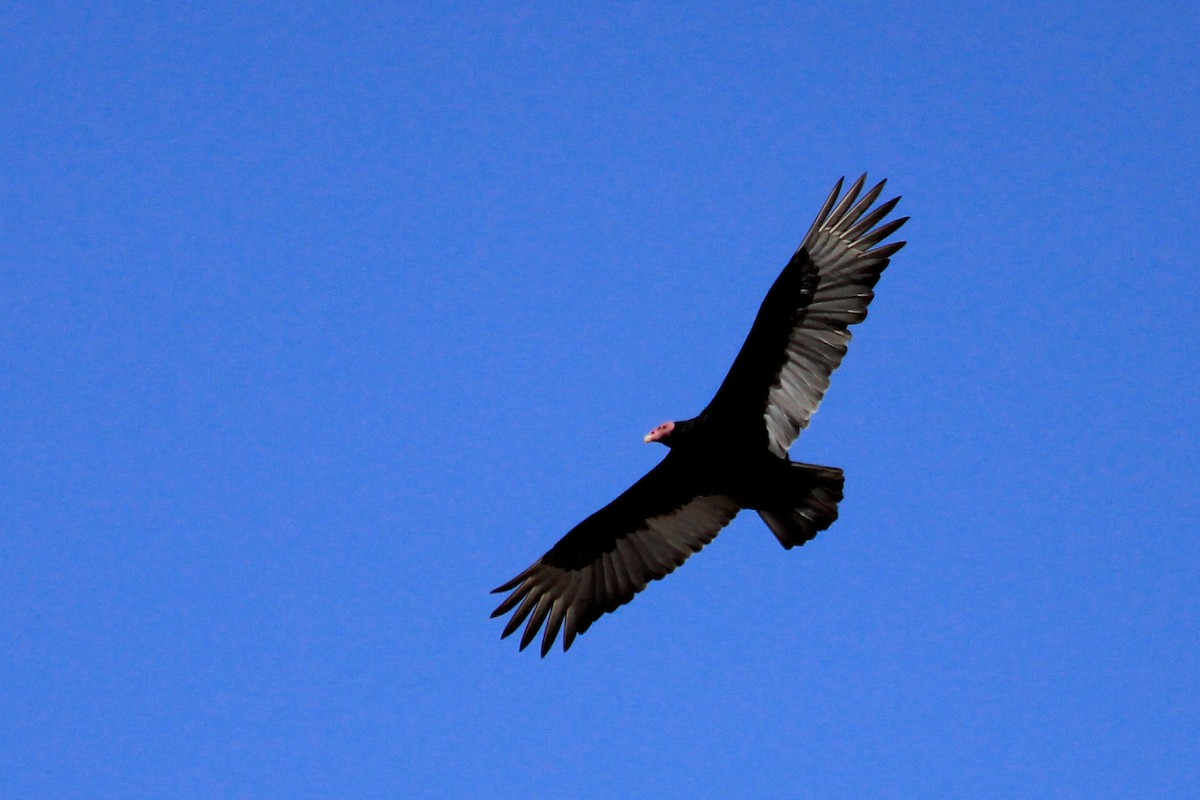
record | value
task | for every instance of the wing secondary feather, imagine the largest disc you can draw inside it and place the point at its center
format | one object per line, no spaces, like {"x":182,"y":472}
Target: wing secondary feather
{"x":801,"y":332}
{"x":773,"y":387}
{"x":643,"y":535}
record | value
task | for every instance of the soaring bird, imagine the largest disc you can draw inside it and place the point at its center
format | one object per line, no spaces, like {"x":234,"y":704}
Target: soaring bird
{"x":733,"y":454}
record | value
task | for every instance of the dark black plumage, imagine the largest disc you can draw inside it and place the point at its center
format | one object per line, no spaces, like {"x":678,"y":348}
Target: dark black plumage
{"x":734,"y":454}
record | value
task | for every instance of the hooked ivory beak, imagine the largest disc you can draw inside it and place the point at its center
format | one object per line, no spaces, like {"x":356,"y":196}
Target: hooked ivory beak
{"x":659,"y":433}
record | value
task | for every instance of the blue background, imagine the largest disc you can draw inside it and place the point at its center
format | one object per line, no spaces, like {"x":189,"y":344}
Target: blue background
{"x":317,"y":321}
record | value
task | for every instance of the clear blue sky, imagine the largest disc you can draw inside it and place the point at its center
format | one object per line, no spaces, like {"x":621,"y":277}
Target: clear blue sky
{"x":317,"y":321}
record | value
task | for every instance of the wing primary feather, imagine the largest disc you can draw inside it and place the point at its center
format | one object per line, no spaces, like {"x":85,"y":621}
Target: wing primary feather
{"x":824,"y":212}
{"x":569,"y":629}
{"x":879,"y":234}
{"x":553,"y":623}
{"x":513,"y":583}
{"x":512,"y":600}
{"x":864,"y":224}
{"x":862,"y":205}
{"x":517,"y":618}
{"x":888,"y":250}
{"x":838,"y":214}
{"x":535,"y":620}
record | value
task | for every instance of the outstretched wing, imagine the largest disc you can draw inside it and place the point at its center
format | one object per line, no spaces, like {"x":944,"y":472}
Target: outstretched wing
{"x":612,"y":555}
{"x":801,"y":332}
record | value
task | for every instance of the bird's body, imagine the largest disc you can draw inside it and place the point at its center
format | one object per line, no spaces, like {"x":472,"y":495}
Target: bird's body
{"x":734,"y":454}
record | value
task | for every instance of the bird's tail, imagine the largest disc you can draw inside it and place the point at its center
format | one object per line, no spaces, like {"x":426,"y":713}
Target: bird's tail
{"x":811,"y":504}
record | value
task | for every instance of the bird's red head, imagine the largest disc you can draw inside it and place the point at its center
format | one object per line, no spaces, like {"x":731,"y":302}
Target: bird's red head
{"x":661,"y":433}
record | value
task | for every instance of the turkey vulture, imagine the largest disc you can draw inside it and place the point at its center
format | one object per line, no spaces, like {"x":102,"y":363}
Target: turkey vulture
{"x":734,"y":454}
